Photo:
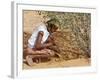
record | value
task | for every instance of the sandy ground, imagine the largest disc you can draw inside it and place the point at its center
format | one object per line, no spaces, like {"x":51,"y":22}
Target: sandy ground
{"x":31,"y":19}
{"x":59,"y":64}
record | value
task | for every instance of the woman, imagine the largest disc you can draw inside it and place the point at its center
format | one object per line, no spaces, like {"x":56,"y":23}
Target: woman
{"x":40,"y":41}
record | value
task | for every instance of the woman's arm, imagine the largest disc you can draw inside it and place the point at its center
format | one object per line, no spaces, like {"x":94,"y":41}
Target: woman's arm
{"x":38,"y":44}
{"x":46,"y":45}
{"x":49,"y":42}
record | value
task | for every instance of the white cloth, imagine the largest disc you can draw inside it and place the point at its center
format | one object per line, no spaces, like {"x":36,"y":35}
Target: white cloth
{"x":32,"y":39}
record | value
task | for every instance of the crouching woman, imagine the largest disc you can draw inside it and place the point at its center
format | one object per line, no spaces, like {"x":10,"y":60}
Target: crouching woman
{"x":40,"y":41}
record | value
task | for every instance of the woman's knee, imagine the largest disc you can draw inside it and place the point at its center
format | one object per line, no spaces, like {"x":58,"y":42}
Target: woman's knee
{"x":29,"y":50}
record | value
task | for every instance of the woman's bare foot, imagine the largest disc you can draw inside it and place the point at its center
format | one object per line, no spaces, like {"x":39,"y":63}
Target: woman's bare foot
{"x":29,"y":60}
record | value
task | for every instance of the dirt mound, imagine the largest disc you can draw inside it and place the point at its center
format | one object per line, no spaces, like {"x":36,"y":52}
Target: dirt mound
{"x":65,"y":45}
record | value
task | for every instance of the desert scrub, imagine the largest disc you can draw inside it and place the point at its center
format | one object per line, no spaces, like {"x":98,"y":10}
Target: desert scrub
{"x":78,"y":23}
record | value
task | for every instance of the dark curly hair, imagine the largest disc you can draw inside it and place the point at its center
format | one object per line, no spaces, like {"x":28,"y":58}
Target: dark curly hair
{"x":52,"y":24}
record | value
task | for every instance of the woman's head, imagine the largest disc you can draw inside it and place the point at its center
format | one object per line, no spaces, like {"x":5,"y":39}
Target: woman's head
{"x":52,"y":25}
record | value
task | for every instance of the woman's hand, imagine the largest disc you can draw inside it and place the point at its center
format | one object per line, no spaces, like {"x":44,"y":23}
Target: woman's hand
{"x":51,"y":39}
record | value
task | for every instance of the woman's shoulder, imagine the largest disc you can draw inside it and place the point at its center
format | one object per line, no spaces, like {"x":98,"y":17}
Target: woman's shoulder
{"x":41,"y":26}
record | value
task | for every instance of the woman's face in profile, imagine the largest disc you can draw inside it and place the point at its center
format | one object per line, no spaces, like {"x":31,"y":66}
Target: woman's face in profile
{"x":54,"y":29}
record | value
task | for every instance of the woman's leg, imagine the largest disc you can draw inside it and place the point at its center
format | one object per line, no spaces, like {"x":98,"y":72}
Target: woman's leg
{"x":50,"y":52}
{"x":43,"y":52}
{"x":29,"y":60}
{"x":38,"y":54}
